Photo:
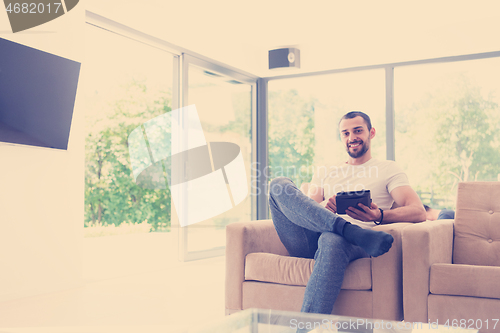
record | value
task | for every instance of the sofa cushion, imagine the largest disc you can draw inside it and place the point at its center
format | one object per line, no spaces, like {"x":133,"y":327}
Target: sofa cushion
{"x":477,"y":224}
{"x":267,"y":267}
{"x":465,"y":280}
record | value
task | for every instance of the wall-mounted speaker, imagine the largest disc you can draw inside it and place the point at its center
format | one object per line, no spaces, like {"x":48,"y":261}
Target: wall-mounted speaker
{"x":284,"y":58}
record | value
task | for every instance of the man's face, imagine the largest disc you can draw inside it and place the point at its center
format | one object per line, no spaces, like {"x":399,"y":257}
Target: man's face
{"x":355,"y":135}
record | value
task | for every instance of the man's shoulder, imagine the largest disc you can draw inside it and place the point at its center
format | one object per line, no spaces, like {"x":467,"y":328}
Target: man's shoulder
{"x":388,"y":165}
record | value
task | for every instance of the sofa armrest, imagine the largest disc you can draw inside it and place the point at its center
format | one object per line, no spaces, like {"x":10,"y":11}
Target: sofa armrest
{"x":424,"y":244}
{"x":387,"y":276}
{"x":243,"y":238}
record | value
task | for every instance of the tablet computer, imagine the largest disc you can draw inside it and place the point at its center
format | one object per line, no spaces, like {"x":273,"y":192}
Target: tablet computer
{"x":345,"y":200}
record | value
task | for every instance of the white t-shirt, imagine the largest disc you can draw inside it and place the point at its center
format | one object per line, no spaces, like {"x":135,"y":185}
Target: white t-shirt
{"x":380,"y":177}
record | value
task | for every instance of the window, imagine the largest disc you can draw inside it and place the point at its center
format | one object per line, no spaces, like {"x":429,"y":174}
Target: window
{"x":125,"y":84}
{"x":224,"y":105}
{"x":447,"y":118}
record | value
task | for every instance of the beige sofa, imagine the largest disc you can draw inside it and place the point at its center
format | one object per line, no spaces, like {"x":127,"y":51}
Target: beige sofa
{"x":261,"y":274}
{"x":451,"y":268}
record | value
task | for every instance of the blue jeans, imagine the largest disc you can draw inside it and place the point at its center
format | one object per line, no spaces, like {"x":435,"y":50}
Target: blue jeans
{"x":309,"y":230}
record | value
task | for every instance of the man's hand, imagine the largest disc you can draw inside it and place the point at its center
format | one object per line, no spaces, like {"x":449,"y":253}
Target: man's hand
{"x":331,"y":204}
{"x":366,"y":215}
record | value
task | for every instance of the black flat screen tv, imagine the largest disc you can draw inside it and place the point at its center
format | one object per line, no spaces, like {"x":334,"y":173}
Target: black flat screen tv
{"x":37,"y":96}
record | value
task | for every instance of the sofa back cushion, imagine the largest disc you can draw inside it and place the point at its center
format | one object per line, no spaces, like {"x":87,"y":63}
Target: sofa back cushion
{"x":477,"y":224}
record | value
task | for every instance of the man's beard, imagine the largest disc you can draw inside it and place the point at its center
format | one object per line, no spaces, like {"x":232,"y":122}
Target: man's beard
{"x":364,"y":148}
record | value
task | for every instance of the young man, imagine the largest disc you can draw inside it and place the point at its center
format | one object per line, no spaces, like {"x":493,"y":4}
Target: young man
{"x":309,"y":227}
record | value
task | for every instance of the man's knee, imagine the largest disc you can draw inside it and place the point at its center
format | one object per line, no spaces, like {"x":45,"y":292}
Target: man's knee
{"x":279,"y":186}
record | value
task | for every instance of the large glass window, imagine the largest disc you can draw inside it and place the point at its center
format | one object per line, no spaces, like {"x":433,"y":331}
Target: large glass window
{"x":304,"y":115}
{"x":447,"y":120}
{"x":224,"y":106}
{"x":125,"y":83}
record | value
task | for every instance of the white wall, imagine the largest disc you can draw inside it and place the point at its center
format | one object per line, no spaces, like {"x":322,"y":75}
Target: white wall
{"x":42,"y":190}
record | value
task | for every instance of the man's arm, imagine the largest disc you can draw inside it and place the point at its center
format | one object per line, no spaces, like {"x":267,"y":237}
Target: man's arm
{"x":315,"y":192}
{"x":410,"y":208}
{"x":318,"y":194}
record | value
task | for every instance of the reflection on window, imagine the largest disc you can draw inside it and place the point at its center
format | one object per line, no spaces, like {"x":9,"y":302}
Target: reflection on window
{"x":125,"y":84}
{"x":224,"y":106}
{"x":304,"y":114}
{"x":447,"y":118}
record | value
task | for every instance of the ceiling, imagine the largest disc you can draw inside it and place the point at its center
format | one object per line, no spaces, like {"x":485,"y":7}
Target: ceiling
{"x":330,"y":34}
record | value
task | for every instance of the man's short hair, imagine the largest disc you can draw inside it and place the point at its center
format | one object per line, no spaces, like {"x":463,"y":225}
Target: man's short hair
{"x":427,"y":208}
{"x":354,"y":114}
